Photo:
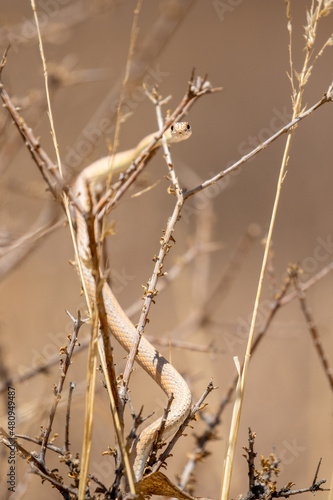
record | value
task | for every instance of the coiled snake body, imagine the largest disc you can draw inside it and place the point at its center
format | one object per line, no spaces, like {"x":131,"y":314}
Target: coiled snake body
{"x":163,"y":373}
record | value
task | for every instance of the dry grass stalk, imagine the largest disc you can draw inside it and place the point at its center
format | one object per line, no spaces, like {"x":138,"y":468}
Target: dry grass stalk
{"x":313,"y":16}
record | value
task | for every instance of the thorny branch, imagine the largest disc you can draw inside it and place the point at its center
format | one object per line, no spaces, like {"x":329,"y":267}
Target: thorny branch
{"x":63,"y":452}
{"x":150,"y":293}
{"x":58,"y":390}
{"x":47,"y":168}
{"x":36,"y":466}
{"x":262,"y":484}
{"x":198,"y":406}
{"x":158,"y":442}
{"x":209,"y":434}
{"x":158,"y":102}
{"x":327,"y":97}
{"x":68,"y":413}
{"x":84,"y":343}
{"x":202,"y":316}
{"x":313,"y":329}
{"x":196,"y":88}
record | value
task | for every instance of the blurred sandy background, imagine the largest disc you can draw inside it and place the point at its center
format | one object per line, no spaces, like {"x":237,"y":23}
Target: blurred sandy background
{"x":243,"y":47}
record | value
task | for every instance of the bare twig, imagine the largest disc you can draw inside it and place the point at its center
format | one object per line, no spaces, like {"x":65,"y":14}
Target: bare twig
{"x":281,"y":299}
{"x":41,"y":368}
{"x":202,"y":315}
{"x":36,"y":466}
{"x":50,"y":446}
{"x":57,"y":392}
{"x":210,"y":433}
{"x":68,"y":413}
{"x":59,"y":451}
{"x":150,"y":292}
{"x":158,"y":439}
{"x":179,"y":433}
{"x":15,"y":253}
{"x":182,"y":344}
{"x":158,"y":102}
{"x":314,"y":332}
{"x":47,"y":168}
{"x":310,"y":35}
{"x":262,"y":485}
{"x":285,"y":493}
{"x":173,"y":272}
{"x":176,"y":269}
{"x":251,"y":456}
{"x":308,"y":284}
{"x":327,"y":97}
{"x":197,"y":87}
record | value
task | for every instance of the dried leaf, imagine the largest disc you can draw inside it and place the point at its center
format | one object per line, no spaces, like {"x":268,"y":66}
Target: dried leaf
{"x":157,"y":483}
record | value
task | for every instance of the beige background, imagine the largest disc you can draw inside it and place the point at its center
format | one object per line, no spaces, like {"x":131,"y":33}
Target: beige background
{"x":242,"y":46}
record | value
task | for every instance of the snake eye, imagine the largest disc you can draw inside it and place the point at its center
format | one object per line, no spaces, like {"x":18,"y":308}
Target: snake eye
{"x":188,"y":127}
{"x":172,"y":128}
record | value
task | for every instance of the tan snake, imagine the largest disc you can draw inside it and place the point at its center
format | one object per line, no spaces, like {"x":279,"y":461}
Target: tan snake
{"x":163,"y":373}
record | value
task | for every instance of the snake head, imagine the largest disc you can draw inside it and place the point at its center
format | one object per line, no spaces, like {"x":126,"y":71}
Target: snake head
{"x":180,"y":131}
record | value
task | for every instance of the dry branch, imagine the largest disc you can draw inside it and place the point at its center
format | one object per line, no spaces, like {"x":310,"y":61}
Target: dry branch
{"x":65,"y":364}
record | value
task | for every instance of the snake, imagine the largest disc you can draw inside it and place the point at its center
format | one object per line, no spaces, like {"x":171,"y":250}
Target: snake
{"x":120,"y":326}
